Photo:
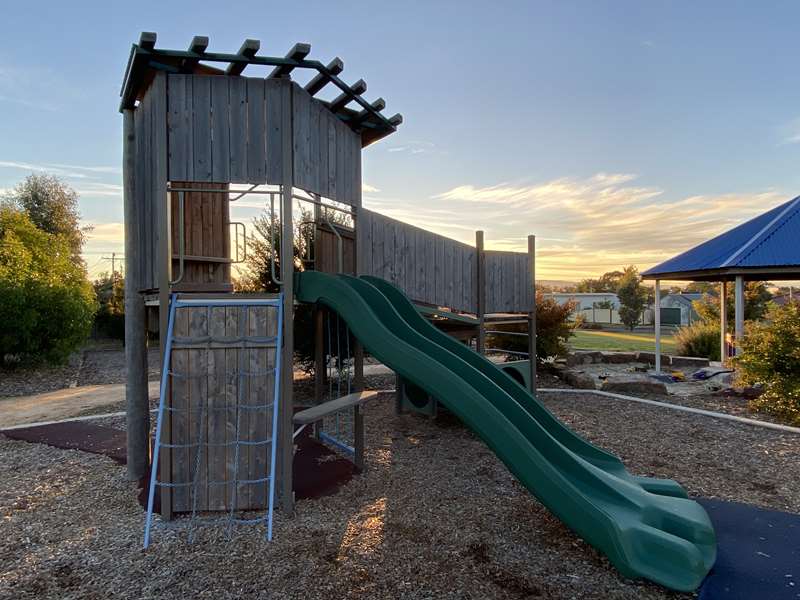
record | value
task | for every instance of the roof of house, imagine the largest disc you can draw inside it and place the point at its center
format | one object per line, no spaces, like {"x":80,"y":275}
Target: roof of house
{"x":763,"y":248}
{"x":145,"y":59}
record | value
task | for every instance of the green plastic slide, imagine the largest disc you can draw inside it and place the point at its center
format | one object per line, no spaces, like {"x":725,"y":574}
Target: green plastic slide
{"x":660,"y":536}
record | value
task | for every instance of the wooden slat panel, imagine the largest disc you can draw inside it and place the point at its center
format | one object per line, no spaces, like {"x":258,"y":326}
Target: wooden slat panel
{"x":257,"y":396}
{"x":313,"y":145}
{"x":231,"y":399}
{"x":217,"y":418}
{"x":257,"y":131}
{"x":333,"y":186}
{"x":278,"y":110}
{"x":364,"y":229}
{"x":181,"y":418}
{"x":322,"y":149}
{"x":159,"y":150}
{"x":198,"y":397}
{"x":245,"y":416}
{"x":201,"y":124}
{"x":180,"y":131}
{"x":301,"y":132}
{"x":239,"y":130}
{"x":220,"y":130}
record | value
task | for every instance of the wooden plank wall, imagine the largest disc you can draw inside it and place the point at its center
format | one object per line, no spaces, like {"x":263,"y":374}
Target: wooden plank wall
{"x":206,"y":230}
{"x":205,"y":393}
{"x":150,"y":178}
{"x":228,"y":129}
{"x":430,"y":268}
{"x":509,"y":287}
{"x":326,"y":258}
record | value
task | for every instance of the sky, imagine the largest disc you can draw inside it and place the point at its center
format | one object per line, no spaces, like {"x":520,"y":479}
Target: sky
{"x":616,"y":132}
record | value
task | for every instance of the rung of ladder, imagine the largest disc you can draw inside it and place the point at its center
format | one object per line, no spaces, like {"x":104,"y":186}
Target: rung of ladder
{"x":223,"y":482}
{"x":230,"y":444}
{"x":223,"y":408}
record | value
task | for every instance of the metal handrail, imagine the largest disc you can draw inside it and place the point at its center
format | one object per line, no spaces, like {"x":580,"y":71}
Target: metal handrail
{"x":498,"y":332}
{"x":236,"y":225}
{"x":273,"y":254}
{"x":506,"y":351}
{"x":339,"y":243}
{"x":181,"y":235}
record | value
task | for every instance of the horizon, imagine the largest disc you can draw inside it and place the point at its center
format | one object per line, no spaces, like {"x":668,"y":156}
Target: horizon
{"x":618,"y":135}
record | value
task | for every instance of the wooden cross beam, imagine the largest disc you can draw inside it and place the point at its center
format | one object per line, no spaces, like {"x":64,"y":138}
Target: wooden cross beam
{"x":298,"y":52}
{"x":359,"y":87}
{"x":396,"y":120}
{"x":147,"y":40}
{"x":248,"y":49}
{"x":365,"y":114}
{"x":198,"y":46}
{"x":320,"y":80}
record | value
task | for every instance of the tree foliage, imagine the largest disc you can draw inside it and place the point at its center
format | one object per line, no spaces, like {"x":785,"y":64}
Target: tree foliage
{"x":46,"y":303}
{"x":608,"y":282}
{"x":756,"y":300}
{"x":769,"y":354}
{"x":632,"y":297}
{"x":700,"y":339}
{"x":109,"y":319}
{"x":553,"y":330}
{"x":52,"y":206}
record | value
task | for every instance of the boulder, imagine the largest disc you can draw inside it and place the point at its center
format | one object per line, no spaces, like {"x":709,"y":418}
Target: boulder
{"x":579,"y":380}
{"x":584,"y":357}
{"x":688,"y":362}
{"x":617,"y":358}
{"x":633,"y":386}
{"x":650,"y":358}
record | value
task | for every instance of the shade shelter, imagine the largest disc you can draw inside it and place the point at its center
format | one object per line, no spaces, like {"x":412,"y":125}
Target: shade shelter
{"x":763,"y":248}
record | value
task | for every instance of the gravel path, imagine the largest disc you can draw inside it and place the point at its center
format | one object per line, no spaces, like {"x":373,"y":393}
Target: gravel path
{"x":435,"y":516}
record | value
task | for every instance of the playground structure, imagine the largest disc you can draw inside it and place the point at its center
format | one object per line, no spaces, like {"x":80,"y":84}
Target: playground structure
{"x":224,"y":439}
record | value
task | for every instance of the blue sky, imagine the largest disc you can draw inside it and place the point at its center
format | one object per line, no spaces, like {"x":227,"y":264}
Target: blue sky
{"x":618,"y":132}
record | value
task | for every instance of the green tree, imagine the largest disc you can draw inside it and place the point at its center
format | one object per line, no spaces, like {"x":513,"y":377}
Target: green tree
{"x":46,"y":303}
{"x":608,"y":282}
{"x":632,"y":297}
{"x":756,"y":302}
{"x":109,"y":288}
{"x":52,"y":206}
{"x":769,"y":354}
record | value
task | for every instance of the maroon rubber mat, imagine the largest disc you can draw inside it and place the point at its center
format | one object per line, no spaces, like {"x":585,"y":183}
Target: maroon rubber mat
{"x":318,"y":470}
{"x":76,"y":435}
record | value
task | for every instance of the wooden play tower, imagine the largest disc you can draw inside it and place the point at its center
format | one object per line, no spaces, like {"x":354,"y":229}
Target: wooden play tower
{"x":195,"y":123}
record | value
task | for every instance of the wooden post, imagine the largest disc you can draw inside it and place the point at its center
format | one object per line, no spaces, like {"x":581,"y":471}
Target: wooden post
{"x":532,"y":314}
{"x":657,"y":324}
{"x":480,"y":288}
{"x":738,"y":312}
{"x":723,"y":322}
{"x":136,"y":392}
{"x":285,"y":428}
{"x":358,"y":438}
{"x":319,"y":360}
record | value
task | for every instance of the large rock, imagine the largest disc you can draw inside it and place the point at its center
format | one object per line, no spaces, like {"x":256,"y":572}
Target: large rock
{"x":584,"y":357}
{"x":633,"y":385}
{"x":617,"y":358}
{"x":579,"y":380}
{"x":650,"y":358}
{"x":688,"y":362}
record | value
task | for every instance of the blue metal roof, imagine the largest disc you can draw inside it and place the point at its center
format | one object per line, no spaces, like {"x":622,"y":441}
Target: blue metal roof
{"x":769,"y":240}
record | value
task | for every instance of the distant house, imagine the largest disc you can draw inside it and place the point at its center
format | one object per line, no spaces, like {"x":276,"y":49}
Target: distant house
{"x":596,"y":307}
{"x":681,"y":302}
{"x":783,"y":299}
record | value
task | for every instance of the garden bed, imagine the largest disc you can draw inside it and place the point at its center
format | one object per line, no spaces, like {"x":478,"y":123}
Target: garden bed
{"x":436,"y":515}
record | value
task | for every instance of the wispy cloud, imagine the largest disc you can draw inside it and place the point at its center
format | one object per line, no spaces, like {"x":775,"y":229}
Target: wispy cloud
{"x":369,"y":189}
{"x":790,"y":132}
{"x":584,"y":226}
{"x":413,"y":147}
{"x":61,"y":170}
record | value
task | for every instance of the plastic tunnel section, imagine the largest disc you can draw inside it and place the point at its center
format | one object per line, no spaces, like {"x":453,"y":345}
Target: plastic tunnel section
{"x":666,"y":539}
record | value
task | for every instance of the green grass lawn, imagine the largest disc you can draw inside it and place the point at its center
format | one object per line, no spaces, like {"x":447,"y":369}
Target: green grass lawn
{"x":586,"y":339}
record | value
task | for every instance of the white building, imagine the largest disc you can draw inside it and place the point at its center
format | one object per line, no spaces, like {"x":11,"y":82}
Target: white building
{"x":596,"y":307}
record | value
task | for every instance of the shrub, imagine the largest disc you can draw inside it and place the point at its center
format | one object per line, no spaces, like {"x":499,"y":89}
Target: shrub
{"x":109,"y":320}
{"x":46,"y":303}
{"x":553,"y":330}
{"x":632,"y":297}
{"x":769,"y":354}
{"x":700,"y":339}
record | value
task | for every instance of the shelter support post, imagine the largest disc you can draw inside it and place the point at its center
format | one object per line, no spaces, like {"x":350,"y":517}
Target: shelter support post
{"x":738,"y":312}
{"x":723,"y":322}
{"x":657,"y":324}
{"x":480,"y":265}
{"x":285,"y":427}
{"x":136,"y":392}
{"x":532,"y":314}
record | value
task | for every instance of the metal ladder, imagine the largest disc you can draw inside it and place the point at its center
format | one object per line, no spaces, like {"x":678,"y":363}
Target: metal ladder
{"x":240,"y":341}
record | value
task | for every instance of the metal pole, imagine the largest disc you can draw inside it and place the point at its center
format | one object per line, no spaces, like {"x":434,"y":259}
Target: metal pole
{"x":136,"y":392}
{"x":657,"y":324}
{"x":480,"y":265}
{"x":532,"y":315}
{"x":285,"y":429}
{"x":723,"y":321}
{"x":738,"y":312}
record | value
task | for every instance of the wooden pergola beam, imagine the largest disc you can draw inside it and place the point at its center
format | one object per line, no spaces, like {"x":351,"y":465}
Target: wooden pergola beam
{"x":248,"y":50}
{"x":298,"y":52}
{"x":320,"y":80}
{"x":198,"y":46}
{"x":359,"y":87}
{"x":147,"y":40}
{"x":378,"y":105}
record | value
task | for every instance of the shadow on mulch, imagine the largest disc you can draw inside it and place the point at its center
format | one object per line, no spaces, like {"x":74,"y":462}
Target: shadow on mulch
{"x":317,"y":470}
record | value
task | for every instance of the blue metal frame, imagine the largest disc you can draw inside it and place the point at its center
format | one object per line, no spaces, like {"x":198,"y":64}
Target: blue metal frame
{"x":175,"y":303}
